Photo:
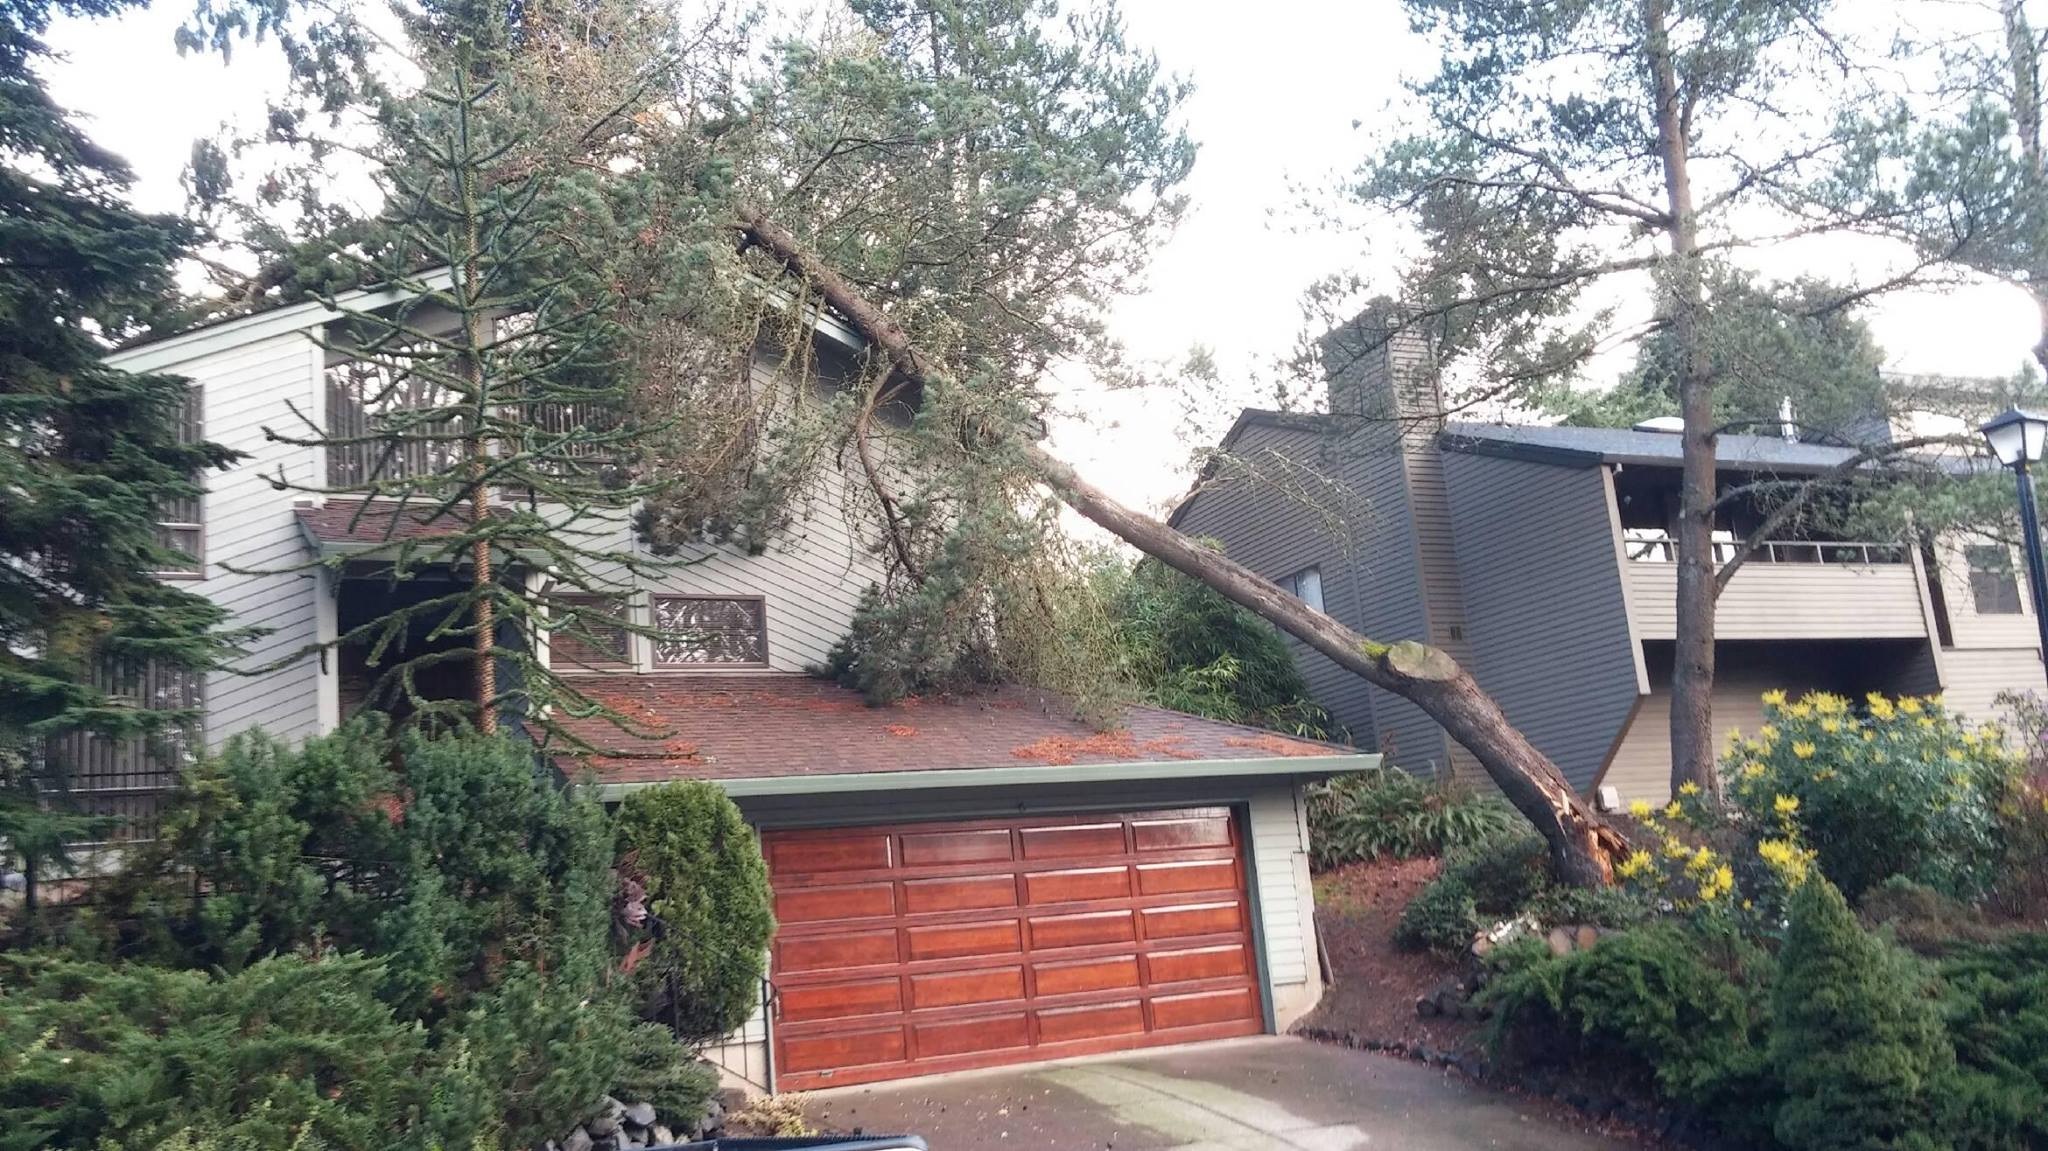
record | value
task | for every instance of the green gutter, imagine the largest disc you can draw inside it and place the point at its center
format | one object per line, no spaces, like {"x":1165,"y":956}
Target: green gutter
{"x":1303,"y":766}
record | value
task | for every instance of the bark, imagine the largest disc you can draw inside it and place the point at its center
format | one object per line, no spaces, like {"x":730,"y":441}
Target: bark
{"x":1692,"y":672}
{"x":475,"y":338}
{"x":1583,"y":847}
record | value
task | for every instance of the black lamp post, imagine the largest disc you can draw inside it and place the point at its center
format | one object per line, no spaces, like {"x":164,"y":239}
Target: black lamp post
{"x":2017,"y":439}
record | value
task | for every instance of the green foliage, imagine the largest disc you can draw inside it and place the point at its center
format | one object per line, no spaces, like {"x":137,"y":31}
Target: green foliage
{"x":1189,"y":649}
{"x":89,"y":454}
{"x":1690,"y":1008}
{"x":1441,"y":918}
{"x":1493,"y":879}
{"x":1857,"y":1044}
{"x":1389,"y":813}
{"x":1995,"y":1004}
{"x":1904,"y":788}
{"x":288,"y":1052}
{"x":708,"y":904}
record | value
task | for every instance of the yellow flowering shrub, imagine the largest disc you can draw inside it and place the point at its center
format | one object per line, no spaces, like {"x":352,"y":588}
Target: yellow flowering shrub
{"x":1897,"y":786}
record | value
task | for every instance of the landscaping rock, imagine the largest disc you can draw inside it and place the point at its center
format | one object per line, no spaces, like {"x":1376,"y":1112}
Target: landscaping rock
{"x":1560,"y":941}
{"x":640,"y":1114}
{"x":1427,"y":1006}
{"x":660,"y":1136}
{"x":603,"y":1125}
{"x":1586,"y":937}
{"x":578,"y":1140}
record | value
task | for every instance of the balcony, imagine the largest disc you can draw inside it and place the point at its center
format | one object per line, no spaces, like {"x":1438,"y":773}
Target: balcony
{"x":1790,"y":589}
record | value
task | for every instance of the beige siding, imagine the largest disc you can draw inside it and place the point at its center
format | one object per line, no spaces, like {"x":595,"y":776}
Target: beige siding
{"x":1788,"y":601}
{"x":1968,"y":628}
{"x":1976,"y":677}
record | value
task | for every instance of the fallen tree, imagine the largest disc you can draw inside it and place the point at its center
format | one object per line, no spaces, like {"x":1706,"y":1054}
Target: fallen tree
{"x":1583,"y":847}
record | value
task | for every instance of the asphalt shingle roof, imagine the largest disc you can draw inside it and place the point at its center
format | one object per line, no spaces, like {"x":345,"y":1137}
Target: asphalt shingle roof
{"x":1627,"y":446}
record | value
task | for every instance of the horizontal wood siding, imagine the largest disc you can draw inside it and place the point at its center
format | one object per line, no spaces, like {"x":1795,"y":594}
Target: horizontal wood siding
{"x":1268,"y":529}
{"x":249,"y":526}
{"x":1276,"y":846}
{"x":1789,"y":601}
{"x":1967,"y":627}
{"x":1974,"y":677}
{"x":1546,"y":615}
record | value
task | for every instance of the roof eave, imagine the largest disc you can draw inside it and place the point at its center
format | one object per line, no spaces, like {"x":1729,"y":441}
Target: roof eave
{"x":1297,"y":767}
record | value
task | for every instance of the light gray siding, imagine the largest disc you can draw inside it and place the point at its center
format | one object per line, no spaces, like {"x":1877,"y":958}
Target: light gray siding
{"x":1546,"y":612}
{"x":1255,"y":507}
{"x":250,"y":528}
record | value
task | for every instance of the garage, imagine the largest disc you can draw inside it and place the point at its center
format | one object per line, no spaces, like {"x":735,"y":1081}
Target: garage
{"x":915,"y":948}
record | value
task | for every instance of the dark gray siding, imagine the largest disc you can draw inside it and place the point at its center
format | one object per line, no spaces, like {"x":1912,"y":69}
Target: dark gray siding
{"x":1255,"y":505}
{"x":1545,"y":613}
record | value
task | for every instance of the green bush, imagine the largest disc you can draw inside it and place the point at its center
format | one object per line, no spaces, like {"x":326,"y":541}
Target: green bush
{"x":1857,"y":1047}
{"x":1901,"y":789}
{"x":1995,"y":1004}
{"x":1386,"y":813}
{"x":1489,"y":881}
{"x":287,"y":1052}
{"x":708,"y":903}
{"x":1650,"y":999}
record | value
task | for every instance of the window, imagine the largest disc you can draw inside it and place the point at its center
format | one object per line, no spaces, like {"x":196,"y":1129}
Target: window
{"x":1305,"y":585}
{"x":179,"y":526}
{"x":1993,"y":584}
{"x":588,"y":631}
{"x":130,"y":778}
{"x":696,"y":630}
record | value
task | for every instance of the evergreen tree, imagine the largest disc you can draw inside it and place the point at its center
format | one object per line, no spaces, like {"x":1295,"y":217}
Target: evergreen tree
{"x":88,"y":454}
{"x":1858,"y":1048}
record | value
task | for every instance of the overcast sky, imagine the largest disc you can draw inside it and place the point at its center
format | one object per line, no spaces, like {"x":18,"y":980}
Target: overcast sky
{"x":1280,"y":86}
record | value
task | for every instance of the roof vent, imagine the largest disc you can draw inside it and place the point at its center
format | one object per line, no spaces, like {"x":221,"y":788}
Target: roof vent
{"x":1671,"y":424}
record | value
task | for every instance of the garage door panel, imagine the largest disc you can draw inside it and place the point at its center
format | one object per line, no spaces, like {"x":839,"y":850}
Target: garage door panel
{"x":1133,"y":931}
{"x":804,"y":1003}
{"x":964,"y":940}
{"x":1194,"y":963}
{"x":1111,"y":972}
{"x":842,"y":949}
{"x":1073,"y":841}
{"x":816,"y":854}
{"x":843,"y":1049}
{"x":956,"y":988}
{"x":961,"y":893}
{"x":1076,"y":885}
{"x":1054,"y":931}
{"x":928,"y":848}
{"x":1066,"y":1024}
{"x":817,"y":904}
{"x":973,"y":1036}
{"x":1188,"y":875}
{"x":1181,"y":920}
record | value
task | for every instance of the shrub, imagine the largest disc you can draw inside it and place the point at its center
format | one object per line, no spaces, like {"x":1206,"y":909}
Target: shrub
{"x":1388,"y":813}
{"x":2021,"y":891}
{"x":1995,"y":1003}
{"x":1857,"y":1046}
{"x":1902,"y":789}
{"x":1441,"y":918}
{"x":1649,"y":999}
{"x":1493,"y":880}
{"x":287,"y":1052}
{"x":708,"y":902}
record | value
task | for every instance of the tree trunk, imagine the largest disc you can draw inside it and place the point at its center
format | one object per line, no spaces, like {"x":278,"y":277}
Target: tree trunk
{"x":1583,"y":847}
{"x":475,"y":338}
{"x":1692,"y":670}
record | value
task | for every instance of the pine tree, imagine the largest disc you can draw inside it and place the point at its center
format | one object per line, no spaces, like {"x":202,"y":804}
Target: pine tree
{"x":88,"y":454}
{"x":1860,"y":1051}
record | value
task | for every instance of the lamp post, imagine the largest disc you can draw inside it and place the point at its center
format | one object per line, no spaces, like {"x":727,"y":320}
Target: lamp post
{"x":2017,"y":439}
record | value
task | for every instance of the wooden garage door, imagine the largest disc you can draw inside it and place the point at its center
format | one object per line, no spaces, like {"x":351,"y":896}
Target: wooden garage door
{"x":929,"y":947}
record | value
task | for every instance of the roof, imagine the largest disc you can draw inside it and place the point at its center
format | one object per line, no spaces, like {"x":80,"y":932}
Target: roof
{"x":353,"y":525}
{"x":1316,"y":422}
{"x":796,"y":728}
{"x":1588,"y":446}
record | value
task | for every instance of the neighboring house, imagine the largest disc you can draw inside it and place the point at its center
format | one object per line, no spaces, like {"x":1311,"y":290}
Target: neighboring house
{"x":1541,"y":557}
{"x":958,"y":882}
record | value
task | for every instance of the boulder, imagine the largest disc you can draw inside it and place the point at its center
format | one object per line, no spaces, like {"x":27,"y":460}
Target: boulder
{"x":1560,"y":941}
{"x":1426,"y":1006}
{"x":603,"y":1125}
{"x":1586,"y":936}
{"x":660,"y":1136}
{"x":578,"y":1140}
{"x":640,"y":1114}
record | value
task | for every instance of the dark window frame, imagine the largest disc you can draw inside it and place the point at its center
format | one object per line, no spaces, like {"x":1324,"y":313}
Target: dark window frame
{"x":760,"y":611}
{"x":1997,"y":582}
{"x":579,"y":661}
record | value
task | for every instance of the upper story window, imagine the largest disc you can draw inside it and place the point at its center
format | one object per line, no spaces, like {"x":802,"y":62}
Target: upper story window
{"x":699,"y":631}
{"x":180,"y":525}
{"x":1305,"y":585}
{"x":1994,"y":585}
{"x":588,"y":631}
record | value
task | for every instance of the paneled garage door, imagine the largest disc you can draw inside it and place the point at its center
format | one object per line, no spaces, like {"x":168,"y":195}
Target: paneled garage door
{"x":927,"y":947}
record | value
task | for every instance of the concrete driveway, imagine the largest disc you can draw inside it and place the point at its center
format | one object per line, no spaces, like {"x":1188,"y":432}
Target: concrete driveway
{"x":1264,"y":1094}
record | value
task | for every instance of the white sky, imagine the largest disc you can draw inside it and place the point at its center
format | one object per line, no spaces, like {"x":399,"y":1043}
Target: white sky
{"x":1279,"y":86}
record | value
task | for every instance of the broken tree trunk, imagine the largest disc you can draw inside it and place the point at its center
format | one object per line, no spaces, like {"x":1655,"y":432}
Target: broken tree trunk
{"x":1583,"y":847}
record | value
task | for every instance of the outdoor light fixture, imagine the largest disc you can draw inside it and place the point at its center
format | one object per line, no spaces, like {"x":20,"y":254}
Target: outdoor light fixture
{"x":2017,"y":439}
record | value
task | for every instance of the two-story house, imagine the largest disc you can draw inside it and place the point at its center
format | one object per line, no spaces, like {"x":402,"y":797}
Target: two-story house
{"x":1541,"y":557}
{"x":958,"y":882}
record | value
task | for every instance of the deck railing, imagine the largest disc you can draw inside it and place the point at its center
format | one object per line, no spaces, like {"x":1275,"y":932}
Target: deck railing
{"x":1660,"y":548}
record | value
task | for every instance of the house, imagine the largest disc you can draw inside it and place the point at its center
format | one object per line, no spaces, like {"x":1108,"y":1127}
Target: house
{"x":1541,"y":558}
{"x":959,"y":882}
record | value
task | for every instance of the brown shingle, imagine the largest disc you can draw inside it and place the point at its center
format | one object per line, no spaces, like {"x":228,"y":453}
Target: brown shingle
{"x":751,"y":726}
{"x":374,"y":521}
